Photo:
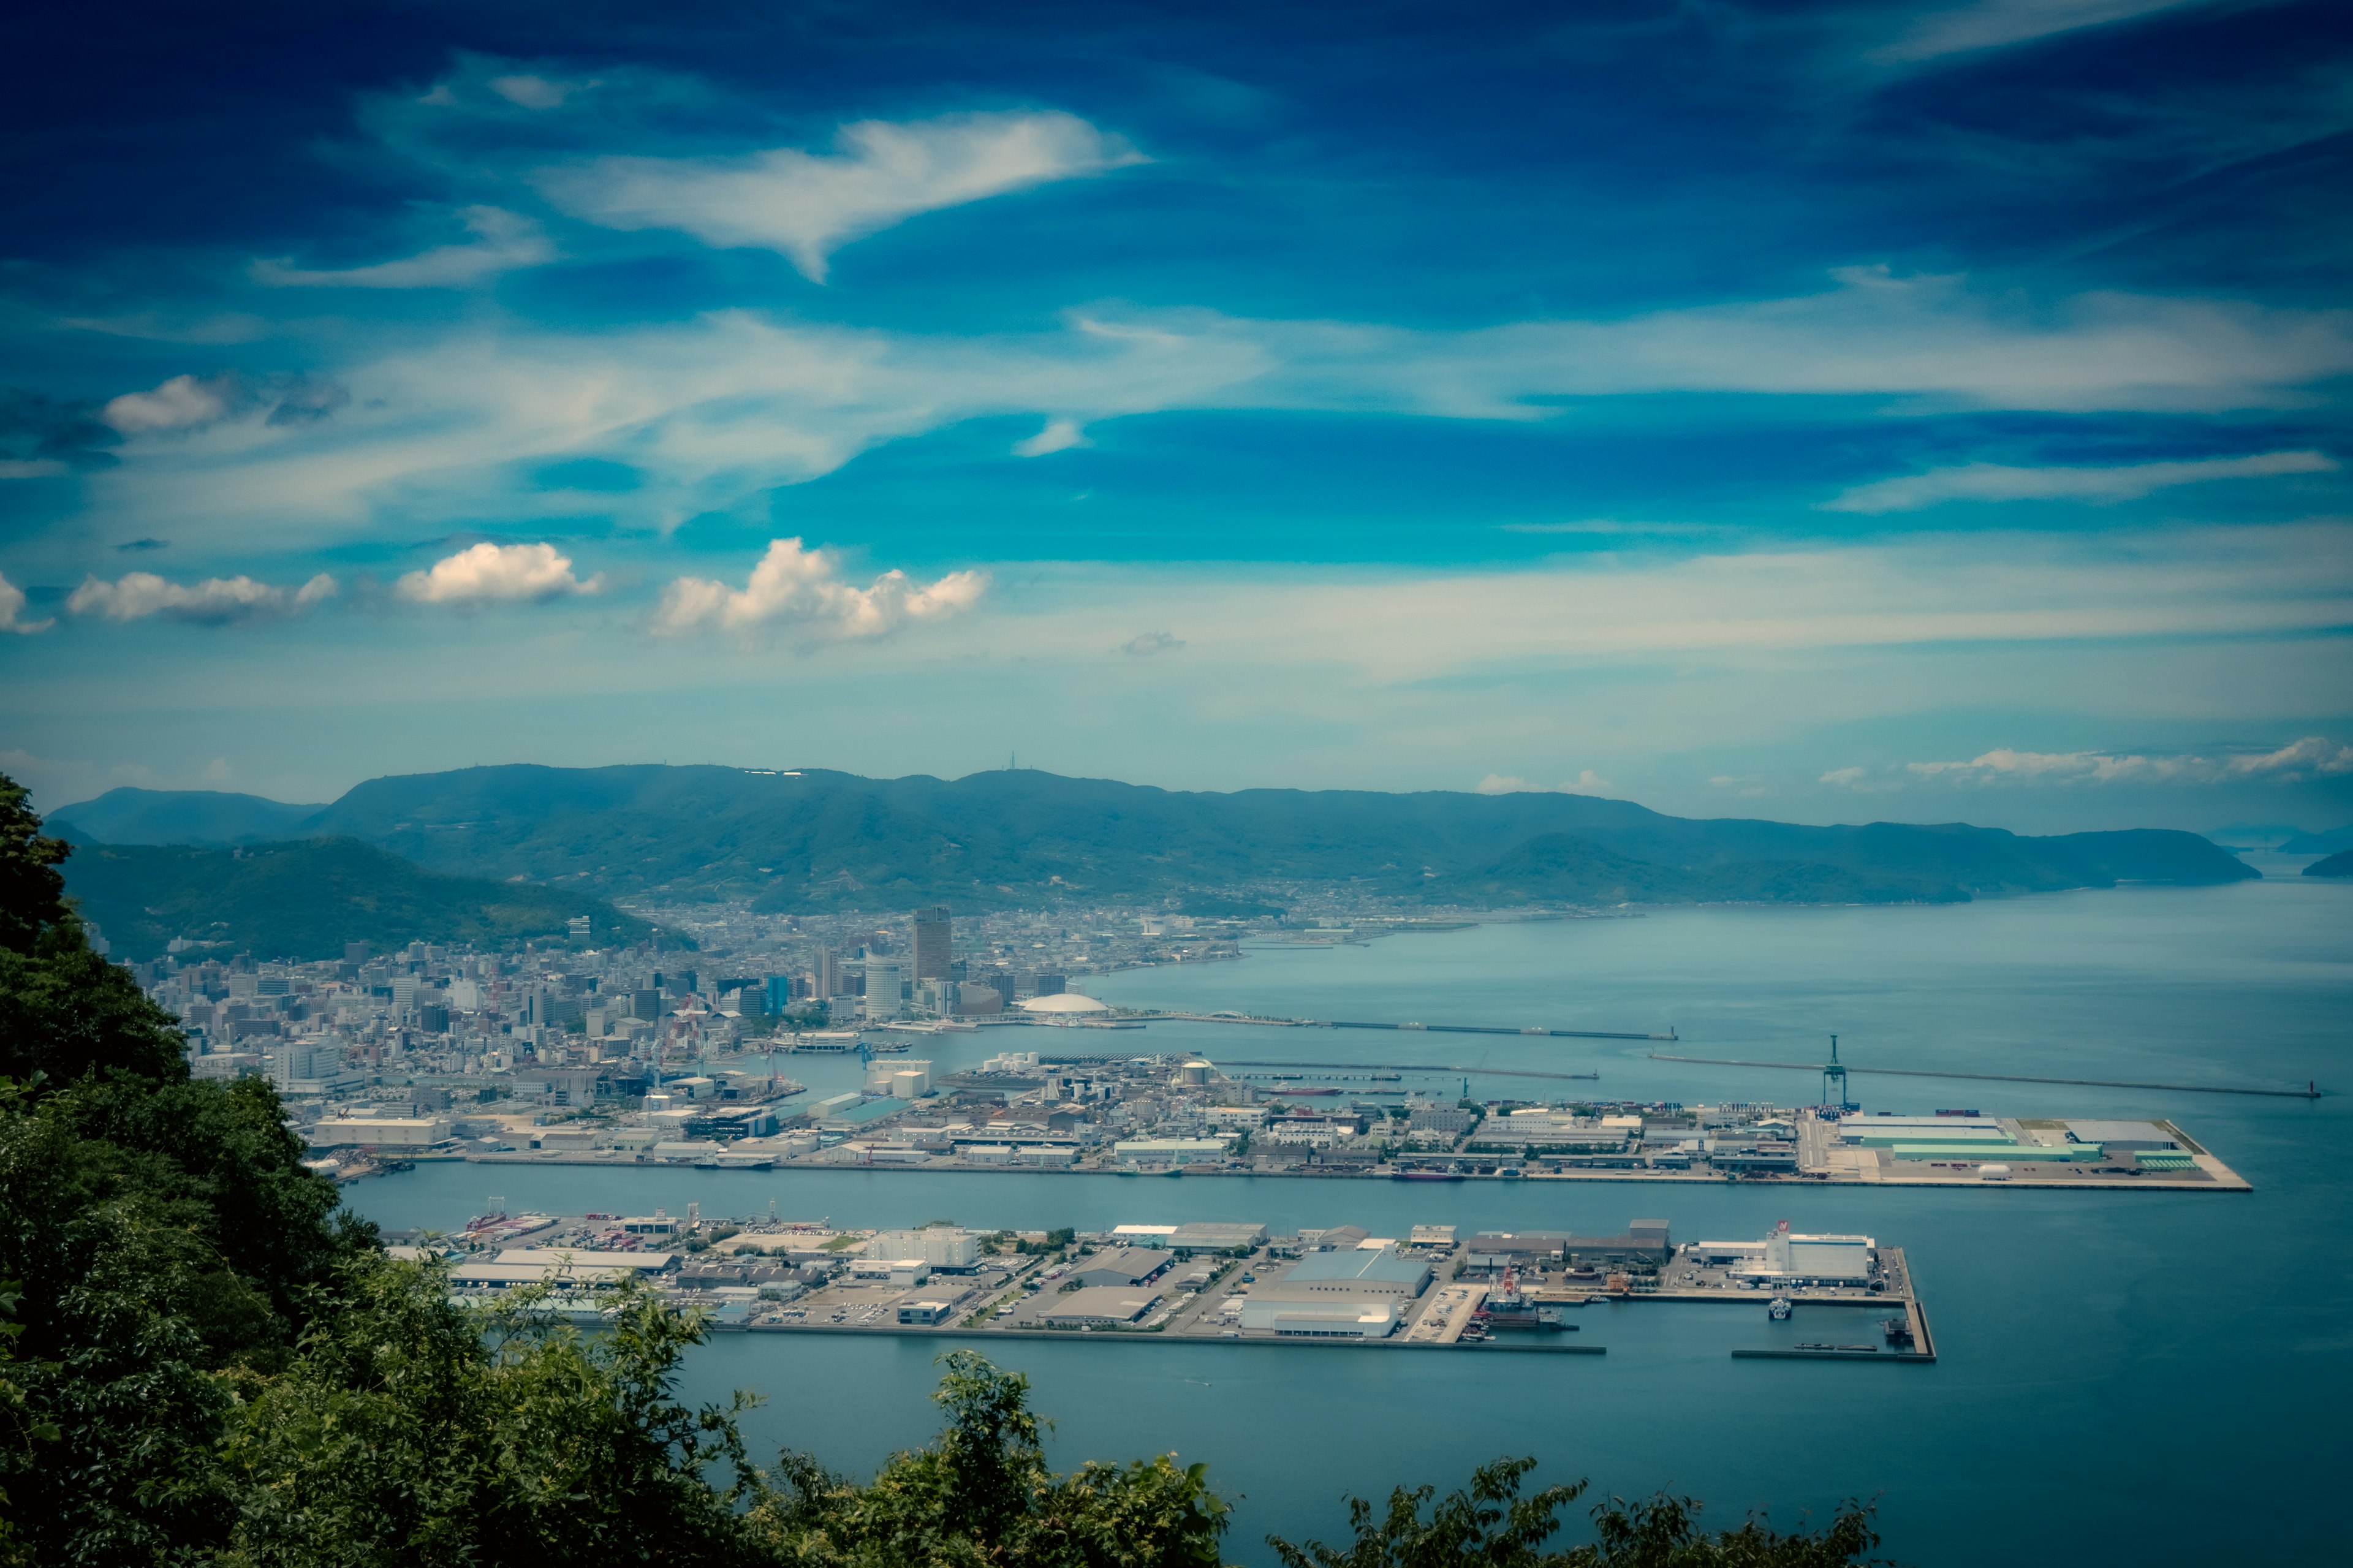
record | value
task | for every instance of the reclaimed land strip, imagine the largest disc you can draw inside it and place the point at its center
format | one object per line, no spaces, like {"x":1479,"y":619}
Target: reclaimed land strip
{"x":1069,"y":1336}
{"x":2225,"y":1180}
{"x":2308,"y":1093}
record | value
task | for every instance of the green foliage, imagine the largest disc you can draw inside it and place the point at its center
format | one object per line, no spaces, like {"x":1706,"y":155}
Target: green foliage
{"x":410,"y":1433}
{"x":982,"y":1495}
{"x":30,"y":886}
{"x":303,"y":900}
{"x":1493,"y":1526}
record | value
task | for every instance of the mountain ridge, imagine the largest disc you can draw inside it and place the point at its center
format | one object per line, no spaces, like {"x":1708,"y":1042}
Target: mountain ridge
{"x":817,"y":839}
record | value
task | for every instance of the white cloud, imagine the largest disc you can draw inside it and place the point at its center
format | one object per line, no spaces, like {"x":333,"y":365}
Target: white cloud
{"x":528,"y":92}
{"x":183,"y":403}
{"x":1991,"y":24}
{"x":1058,"y":436}
{"x":806,"y":205}
{"x":215,"y":601}
{"x":1585,"y":783}
{"x":488,"y":573}
{"x":794,"y":586}
{"x":504,"y":241}
{"x":713,"y":412}
{"x":11,"y":611}
{"x":1996,"y":482}
{"x":1145,"y":644}
{"x":1844,"y":777}
{"x":2298,"y":762}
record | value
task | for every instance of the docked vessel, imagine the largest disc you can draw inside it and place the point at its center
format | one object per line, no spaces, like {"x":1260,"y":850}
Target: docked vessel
{"x":1508,"y":1307}
{"x":1779,"y":1309}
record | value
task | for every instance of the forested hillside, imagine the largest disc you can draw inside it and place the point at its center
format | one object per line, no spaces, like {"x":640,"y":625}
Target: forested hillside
{"x":794,"y":840}
{"x":304,"y":900}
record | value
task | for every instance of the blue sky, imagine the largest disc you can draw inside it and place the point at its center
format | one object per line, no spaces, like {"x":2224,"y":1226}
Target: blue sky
{"x":1824,"y":412}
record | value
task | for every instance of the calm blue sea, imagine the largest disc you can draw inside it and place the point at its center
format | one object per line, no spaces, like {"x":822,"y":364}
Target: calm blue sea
{"x":2153,"y":1379}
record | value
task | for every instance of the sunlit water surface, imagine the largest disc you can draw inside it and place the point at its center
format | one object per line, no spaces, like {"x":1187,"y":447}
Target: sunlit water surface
{"x":2140,"y":1377}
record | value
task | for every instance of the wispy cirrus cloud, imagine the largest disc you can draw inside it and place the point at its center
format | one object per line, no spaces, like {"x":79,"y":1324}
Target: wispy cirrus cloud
{"x":712,"y":411}
{"x":503,"y":241}
{"x":2297,"y":762}
{"x":2099,"y":486}
{"x":489,"y":573}
{"x":215,"y":601}
{"x":806,"y":206}
{"x":1058,"y":436}
{"x":1993,"y":24}
{"x":801,"y":588}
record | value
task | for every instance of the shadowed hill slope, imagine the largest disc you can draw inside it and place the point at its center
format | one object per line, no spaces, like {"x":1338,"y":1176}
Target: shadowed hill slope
{"x":304,"y":900}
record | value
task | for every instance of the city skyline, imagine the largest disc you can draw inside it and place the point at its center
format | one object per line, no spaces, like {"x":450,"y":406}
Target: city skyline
{"x":1833,"y":414}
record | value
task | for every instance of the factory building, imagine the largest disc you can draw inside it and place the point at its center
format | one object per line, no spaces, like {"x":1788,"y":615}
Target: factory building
{"x":941,"y":1246}
{"x":1784,"y":1257}
{"x":1106,"y":1306}
{"x":1169,"y":1151}
{"x":1374,"y":1270}
{"x":560,"y":1268}
{"x":1127,"y":1266}
{"x":1337,"y":1318}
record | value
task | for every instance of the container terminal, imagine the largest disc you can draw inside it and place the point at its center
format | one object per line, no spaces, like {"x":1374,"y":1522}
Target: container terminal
{"x":1223,"y":1283}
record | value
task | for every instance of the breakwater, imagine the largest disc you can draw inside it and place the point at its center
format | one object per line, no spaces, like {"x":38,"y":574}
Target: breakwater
{"x":2310,"y":1091}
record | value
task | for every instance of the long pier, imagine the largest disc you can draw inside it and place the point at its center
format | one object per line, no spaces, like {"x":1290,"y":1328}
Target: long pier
{"x":1668,"y":1037}
{"x":2312,"y":1092}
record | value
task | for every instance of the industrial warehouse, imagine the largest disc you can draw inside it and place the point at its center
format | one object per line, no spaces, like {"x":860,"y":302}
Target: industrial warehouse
{"x":1227,"y":1283}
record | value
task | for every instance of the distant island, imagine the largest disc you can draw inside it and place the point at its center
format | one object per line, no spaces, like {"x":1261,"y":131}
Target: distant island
{"x":816,"y":840}
{"x":2338,"y":864}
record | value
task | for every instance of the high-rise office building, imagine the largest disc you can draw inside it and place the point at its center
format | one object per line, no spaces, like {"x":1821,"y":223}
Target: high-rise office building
{"x":933,"y":935}
{"x":826,"y":975}
{"x":884,"y":982}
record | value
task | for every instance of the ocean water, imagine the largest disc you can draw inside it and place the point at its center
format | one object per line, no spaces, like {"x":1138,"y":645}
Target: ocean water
{"x":2156,"y":1378}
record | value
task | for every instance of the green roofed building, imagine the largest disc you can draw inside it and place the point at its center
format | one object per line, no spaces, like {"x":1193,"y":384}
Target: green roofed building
{"x":2058,"y":1154}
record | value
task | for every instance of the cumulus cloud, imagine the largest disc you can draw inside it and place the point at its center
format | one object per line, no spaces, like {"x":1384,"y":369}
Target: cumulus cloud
{"x":1992,"y":24}
{"x":1058,"y":436}
{"x":11,"y":611}
{"x":1585,"y":783}
{"x":183,"y":403}
{"x":1845,"y":776}
{"x":800,"y":587}
{"x":806,"y":205}
{"x":1144,"y":645}
{"x":2100,"y":486}
{"x":2298,"y":762}
{"x":215,"y":601}
{"x":490,"y":574}
{"x":503,"y":241}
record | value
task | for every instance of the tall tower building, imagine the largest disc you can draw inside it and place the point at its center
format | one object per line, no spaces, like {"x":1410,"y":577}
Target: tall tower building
{"x":934,"y":933}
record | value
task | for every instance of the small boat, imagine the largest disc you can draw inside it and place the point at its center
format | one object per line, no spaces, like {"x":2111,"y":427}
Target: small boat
{"x":1779,"y":1309}
{"x":1427,"y":1176}
{"x":1897,"y":1329}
